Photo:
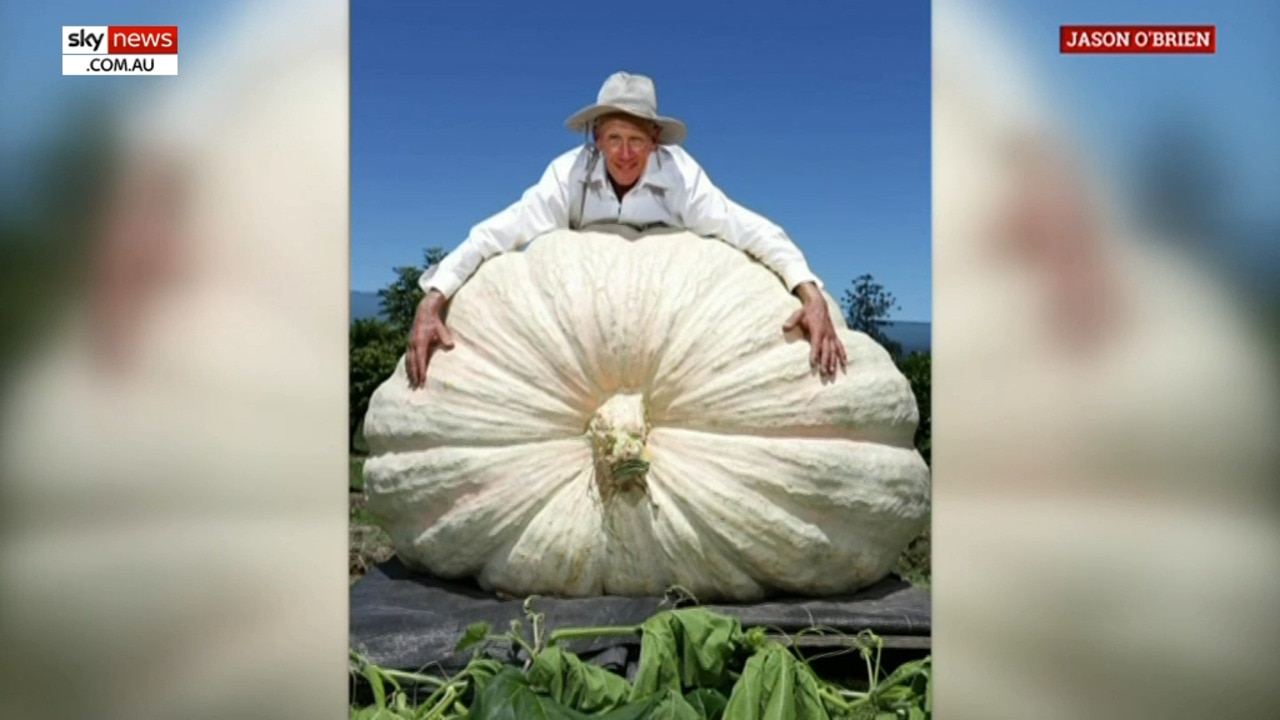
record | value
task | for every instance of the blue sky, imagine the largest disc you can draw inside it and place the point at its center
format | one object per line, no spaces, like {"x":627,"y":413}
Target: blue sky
{"x":1229,"y":98}
{"x":36,"y":95}
{"x":819,"y":120}
{"x":36,"y":92}
{"x":816,"y":115}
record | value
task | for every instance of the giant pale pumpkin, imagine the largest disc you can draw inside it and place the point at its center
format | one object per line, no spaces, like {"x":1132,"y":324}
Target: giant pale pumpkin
{"x":620,"y":416}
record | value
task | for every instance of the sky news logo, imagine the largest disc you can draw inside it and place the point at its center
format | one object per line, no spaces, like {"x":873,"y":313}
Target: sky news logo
{"x":119,"y":50}
{"x":1138,"y":39}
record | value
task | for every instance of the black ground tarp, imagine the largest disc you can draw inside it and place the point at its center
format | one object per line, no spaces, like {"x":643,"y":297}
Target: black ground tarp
{"x":409,"y":621}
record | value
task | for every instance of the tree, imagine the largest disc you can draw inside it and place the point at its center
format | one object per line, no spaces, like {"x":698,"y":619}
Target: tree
{"x":376,"y":344}
{"x":918,"y":368}
{"x":46,"y":259}
{"x":399,"y":300}
{"x":1181,"y":185}
{"x":867,"y":306}
{"x":375,"y":349}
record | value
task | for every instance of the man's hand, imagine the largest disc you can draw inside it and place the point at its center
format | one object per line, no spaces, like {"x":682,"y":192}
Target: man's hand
{"x":826,"y":351}
{"x":428,"y":333}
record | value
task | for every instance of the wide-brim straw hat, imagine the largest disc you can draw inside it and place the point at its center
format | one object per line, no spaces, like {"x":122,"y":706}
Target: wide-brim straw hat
{"x":633,"y":95}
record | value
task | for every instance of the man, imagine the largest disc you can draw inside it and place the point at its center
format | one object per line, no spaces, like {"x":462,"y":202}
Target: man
{"x":645,"y":180}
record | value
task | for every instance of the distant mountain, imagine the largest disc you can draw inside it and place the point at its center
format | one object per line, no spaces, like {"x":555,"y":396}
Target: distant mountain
{"x":364,"y":305}
{"x":912,"y":336}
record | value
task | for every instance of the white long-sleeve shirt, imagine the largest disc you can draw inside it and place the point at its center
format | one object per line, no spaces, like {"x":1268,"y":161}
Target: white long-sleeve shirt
{"x":674,"y":191}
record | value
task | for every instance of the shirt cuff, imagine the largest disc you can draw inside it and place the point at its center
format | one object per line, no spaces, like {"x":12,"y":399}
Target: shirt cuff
{"x":797,"y":274}
{"x":446,"y":283}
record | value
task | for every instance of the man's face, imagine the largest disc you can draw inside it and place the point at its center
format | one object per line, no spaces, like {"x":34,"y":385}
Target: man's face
{"x":626,"y":144}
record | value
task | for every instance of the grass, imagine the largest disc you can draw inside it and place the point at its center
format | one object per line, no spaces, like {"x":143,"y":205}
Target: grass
{"x":913,"y":565}
{"x":355,"y":473}
{"x":368,"y":544}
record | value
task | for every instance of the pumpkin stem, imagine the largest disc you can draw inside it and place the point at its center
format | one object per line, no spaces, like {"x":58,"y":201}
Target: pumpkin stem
{"x":618,"y":432}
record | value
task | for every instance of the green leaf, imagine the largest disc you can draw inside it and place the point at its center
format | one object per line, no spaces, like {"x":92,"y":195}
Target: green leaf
{"x":671,"y":705}
{"x":374,"y":712}
{"x":576,"y":684}
{"x":908,"y":686}
{"x":666,"y":705}
{"x":481,"y":670}
{"x":476,"y":633}
{"x":508,"y":696}
{"x":862,"y":711}
{"x":511,"y":696}
{"x":928,"y":693}
{"x":808,"y":698}
{"x":777,"y":686}
{"x":747,"y":699}
{"x":375,"y":683}
{"x":708,"y":702}
{"x":908,"y":673}
{"x":905,"y":695}
{"x":478,"y":674}
{"x":689,"y":647}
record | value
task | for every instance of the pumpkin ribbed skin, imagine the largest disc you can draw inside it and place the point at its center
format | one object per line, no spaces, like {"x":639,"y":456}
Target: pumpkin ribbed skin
{"x":619,"y":416}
